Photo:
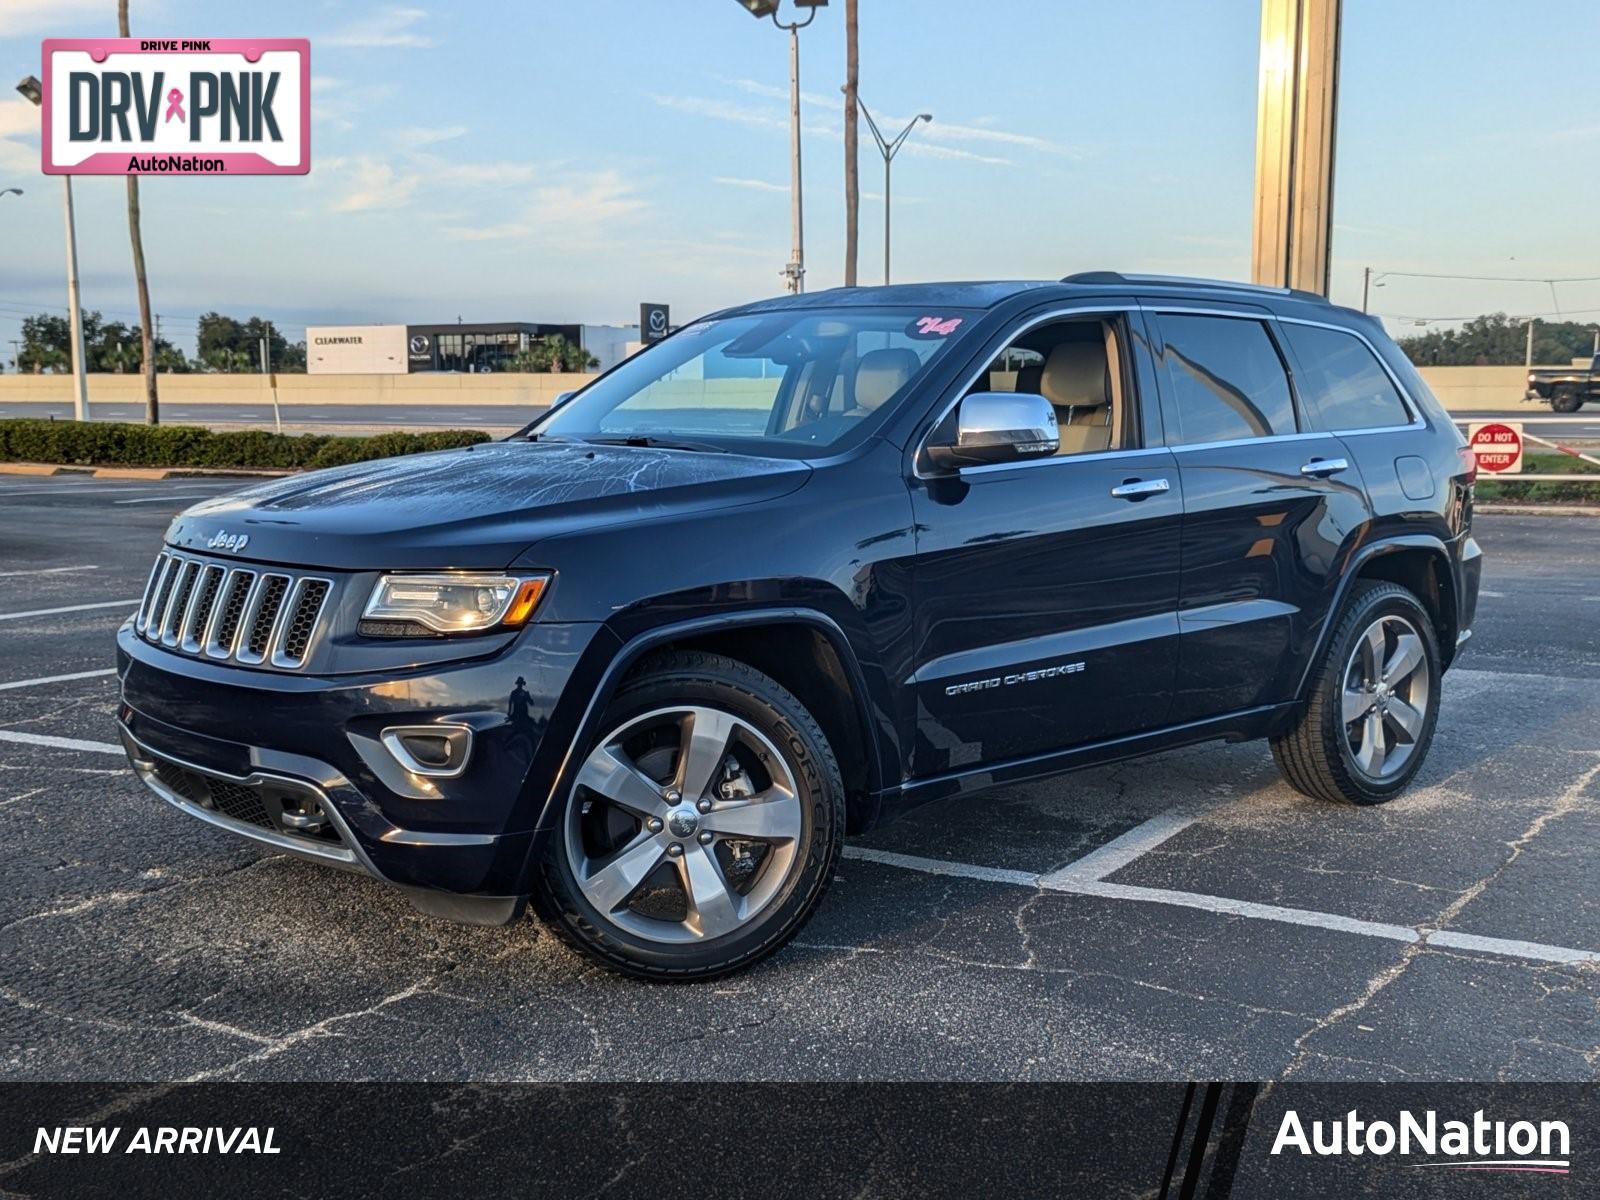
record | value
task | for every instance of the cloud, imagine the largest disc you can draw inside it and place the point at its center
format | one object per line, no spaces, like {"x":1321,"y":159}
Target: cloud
{"x":575,"y":212}
{"x":374,"y":185}
{"x":425,"y":136}
{"x":741,"y":114}
{"x":339,"y":104}
{"x":755,"y":185}
{"x":388,"y":27}
{"x":19,"y":136}
{"x":27,"y":16}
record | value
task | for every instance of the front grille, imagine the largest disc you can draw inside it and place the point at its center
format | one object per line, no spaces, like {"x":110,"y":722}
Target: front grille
{"x":258,"y":618}
{"x":275,"y":805}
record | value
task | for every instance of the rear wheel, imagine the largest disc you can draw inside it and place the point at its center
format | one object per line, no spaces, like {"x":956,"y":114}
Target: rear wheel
{"x":1567,"y":399}
{"x":1374,"y":702}
{"x":704,"y":825}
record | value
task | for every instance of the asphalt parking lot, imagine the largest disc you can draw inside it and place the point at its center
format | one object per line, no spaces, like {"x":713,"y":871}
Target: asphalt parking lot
{"x":1181,"y":917}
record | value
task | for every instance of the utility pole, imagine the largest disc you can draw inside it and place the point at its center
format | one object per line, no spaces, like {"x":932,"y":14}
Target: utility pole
{"x":1528,"y":356}
{"x":852,"y":177}
{"x":33,"y":91}
{"x":1366,"y":286}
{"x":147,"y":338}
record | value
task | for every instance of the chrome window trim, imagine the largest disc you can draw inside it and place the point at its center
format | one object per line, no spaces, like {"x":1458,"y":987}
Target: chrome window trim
{"x":1085,"y":309}
{"x":1244,"y":310}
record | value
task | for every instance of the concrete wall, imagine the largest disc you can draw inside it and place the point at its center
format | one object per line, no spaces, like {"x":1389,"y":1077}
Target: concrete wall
{"x":1477,"y":389}
{"x":442,"y":390}
{"x":1461,"y":389}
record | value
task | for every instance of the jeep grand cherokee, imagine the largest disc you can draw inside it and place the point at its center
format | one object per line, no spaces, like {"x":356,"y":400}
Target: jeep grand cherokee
{"x":800,"y":567}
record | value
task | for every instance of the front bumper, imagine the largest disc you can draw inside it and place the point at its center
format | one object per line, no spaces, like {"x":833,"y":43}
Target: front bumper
{"x":298,"y":762}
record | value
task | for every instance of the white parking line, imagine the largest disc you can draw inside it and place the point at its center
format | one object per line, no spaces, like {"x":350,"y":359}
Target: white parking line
{"x":59,"y":743}
{"x":161,"y":499}
{"x":1086,"y":877}
{"x":1119,"y":852}
{"x":50,"y":612}
{"x":47,"y":571}
{"x":27,"y":683}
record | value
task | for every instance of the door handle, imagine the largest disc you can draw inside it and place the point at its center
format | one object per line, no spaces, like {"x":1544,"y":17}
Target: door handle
{"x":1138,"y":489}
{"x":1321,"y":468}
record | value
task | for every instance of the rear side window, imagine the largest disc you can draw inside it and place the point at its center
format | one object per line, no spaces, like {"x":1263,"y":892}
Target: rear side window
{"x":1341,"y":381}
{"x":1226,"y":377}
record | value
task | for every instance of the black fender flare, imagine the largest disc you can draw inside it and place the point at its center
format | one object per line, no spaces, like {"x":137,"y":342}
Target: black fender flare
{"x":1449,"y":600}
{"x":641,"y":644}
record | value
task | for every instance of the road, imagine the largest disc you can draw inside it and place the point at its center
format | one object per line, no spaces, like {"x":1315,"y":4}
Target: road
{"x":1186,"y":916}
{"x":498,"y":418}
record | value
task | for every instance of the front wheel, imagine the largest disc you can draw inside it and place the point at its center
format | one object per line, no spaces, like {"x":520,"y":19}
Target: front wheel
{"x":1374,"y":702}
{"x":1567,"y":399}
{"x":703,"y":827}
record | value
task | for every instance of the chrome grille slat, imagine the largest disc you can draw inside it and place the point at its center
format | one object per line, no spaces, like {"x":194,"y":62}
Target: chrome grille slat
{"x":179,"y":601}
{"x":159,"y":605}
{"x":261,"y":617}
{"x":201,"y":602}
{"x":195,"y":605}
{"x":224,"y":630}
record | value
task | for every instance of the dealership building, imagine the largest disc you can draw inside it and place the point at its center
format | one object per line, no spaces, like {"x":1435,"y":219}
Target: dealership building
{"x":464,"y":347}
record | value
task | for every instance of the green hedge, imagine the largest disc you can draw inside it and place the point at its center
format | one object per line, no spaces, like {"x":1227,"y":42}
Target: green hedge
{"x":108,"y":444}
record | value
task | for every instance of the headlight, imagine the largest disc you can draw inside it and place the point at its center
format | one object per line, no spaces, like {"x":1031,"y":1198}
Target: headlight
{"x":452,"y":603}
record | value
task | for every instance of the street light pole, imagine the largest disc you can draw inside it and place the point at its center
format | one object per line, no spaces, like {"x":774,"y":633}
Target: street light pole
{"x":889,"y":149}
{"x":33,"y":90}
{"x":795,"y":271}
{"x":1366,"y":286}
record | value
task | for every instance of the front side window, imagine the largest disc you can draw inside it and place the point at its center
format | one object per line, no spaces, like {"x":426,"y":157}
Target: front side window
{"x":1076,"y":365}
{"x":792,"y":382}
{"x":1226,"y":378}
{"x":1342,"y":382}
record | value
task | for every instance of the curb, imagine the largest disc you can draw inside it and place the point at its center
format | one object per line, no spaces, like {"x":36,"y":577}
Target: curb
{"x":1537,"y":510}
{"x":144,"y":472}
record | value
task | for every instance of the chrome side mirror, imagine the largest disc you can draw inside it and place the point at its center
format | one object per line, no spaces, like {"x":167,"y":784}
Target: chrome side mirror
{"x":999,"y":427}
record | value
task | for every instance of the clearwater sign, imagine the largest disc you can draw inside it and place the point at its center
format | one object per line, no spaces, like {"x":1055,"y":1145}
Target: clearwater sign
{"x":154,"y":106}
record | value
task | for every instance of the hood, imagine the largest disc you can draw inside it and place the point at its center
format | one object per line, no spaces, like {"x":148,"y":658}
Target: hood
{"x":477,"y":507}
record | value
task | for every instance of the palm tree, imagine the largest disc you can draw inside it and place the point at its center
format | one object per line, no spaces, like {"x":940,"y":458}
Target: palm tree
{"x":152,"y":405}
{"x":852,"y":186}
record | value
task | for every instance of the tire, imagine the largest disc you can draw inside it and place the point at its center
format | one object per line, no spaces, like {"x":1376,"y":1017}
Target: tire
{"x":1567,"y":399}
{"x":1373,"y":758}
{"x":643,"y":875}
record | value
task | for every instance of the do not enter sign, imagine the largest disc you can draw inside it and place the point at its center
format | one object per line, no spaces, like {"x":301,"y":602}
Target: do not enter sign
{"x":1497,"y":445}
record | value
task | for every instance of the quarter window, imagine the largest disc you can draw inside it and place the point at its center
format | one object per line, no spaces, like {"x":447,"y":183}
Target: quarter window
{"x":1226,"y":377}
{"x":1341,"y":381}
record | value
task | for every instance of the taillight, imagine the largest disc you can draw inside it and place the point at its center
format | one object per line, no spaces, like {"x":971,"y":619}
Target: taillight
{"x":1469,"y":462}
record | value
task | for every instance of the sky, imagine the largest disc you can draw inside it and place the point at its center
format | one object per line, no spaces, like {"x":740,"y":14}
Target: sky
{"x":547,"y":160}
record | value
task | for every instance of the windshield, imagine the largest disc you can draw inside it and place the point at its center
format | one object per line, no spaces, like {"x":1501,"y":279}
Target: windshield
{"x":789,"y":383}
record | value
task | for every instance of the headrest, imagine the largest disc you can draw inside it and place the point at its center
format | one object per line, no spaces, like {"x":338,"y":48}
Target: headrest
{"x":1028,"y":378}
{"x":1075,"y":376}
{"x":882,"y":373}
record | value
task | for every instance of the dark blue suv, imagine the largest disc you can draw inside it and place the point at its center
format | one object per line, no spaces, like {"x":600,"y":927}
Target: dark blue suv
{"x":800,"y":567}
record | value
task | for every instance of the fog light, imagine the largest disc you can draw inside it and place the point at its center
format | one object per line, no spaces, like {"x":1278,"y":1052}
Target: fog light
{"x":433,"y":751}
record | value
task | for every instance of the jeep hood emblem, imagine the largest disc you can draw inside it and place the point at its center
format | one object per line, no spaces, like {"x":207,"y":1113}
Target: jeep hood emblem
{"x":223,"y":540}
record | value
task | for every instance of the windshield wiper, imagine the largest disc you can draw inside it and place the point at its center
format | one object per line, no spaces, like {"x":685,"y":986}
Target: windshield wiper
{"x":552,"y":437}
{"x":657,"y":443}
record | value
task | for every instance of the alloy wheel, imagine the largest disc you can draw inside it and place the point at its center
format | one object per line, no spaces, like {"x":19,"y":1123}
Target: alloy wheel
{"x":686,"y":824}
{"x":1388,"y":687}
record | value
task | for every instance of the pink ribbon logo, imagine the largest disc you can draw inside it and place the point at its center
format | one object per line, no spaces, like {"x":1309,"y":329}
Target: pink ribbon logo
{"x":175,"y":106}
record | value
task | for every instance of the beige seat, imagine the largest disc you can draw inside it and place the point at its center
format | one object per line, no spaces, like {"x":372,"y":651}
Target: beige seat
{"x":1074,"y":379}
{"x":879,"y":375}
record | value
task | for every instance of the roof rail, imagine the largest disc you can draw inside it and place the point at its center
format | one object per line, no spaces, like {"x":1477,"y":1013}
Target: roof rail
{"x":1221,"y":285}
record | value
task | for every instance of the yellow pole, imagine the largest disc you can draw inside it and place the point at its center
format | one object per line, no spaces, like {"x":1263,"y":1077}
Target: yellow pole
{"x":1295,"y":135}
